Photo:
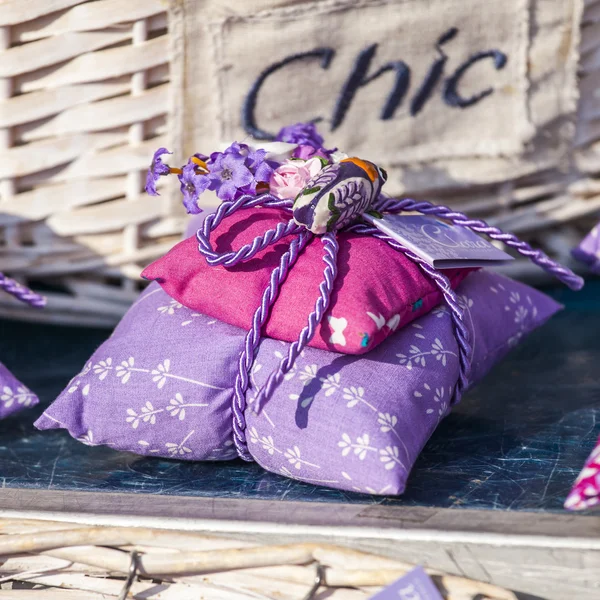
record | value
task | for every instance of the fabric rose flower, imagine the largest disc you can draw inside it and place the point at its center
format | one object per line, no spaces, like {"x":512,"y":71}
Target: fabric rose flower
{"x":291,"y":178}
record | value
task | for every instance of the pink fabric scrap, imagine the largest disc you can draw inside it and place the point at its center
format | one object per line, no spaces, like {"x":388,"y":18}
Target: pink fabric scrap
{"x":586,"y":489}
{"x":378,"y":290}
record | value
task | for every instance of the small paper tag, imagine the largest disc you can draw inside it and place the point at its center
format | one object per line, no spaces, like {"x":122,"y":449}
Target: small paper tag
{"x":415,"y":585}
{"x":442,"y":245}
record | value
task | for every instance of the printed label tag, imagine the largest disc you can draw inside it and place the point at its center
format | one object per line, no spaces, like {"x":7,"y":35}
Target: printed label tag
{"x":442,"y":245}
{"x":415,"y":585}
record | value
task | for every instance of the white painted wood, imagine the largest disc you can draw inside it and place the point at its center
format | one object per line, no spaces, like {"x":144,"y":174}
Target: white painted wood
{"x":43,"y":202}
{"x":49,"y":153}
{"x":111,"y":161}
{"x":135,"y":179}
{"x":104,"y":217}
{"x":7,"y":182}
{"x":50,"y":594}
{"x":552,"y":569}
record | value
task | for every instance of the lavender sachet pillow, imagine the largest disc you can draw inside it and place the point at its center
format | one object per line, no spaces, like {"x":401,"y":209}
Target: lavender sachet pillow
{"x":14,"y":396}
{"x":588,"y":250}
{"x":162,"y":385}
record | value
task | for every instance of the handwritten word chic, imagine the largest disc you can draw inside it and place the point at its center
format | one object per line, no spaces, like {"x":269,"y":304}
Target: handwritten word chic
{"x":363,"y":73}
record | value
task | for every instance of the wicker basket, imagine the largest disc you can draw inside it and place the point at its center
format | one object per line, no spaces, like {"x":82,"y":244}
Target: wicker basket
{"x":52,"y":560}
{"x":85,"y":87}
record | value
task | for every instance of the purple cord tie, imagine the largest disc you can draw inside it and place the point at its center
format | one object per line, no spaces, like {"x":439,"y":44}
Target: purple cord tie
{"x":21,"y":293}
{"x":330,"y":246}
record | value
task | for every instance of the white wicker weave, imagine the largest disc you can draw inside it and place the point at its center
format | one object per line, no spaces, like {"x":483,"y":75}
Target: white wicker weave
{"x":84,"y":95}
{"x":84,"y":99}
{"x":50,"y":560}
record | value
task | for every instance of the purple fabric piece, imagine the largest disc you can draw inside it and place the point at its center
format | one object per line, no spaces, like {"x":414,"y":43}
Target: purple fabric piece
{"x":355,"y":423}
{"x":588,"y":251}
{"x":159,"y":385}
{"x":14,"y":396}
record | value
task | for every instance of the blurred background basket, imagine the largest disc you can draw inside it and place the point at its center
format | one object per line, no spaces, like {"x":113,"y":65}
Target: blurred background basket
{"x":85,"y":94}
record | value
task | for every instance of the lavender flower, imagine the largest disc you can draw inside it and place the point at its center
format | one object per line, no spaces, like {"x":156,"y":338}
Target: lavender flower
{"x":228,"y":173}
{"x":303,"y":134}
{"x":261,"y":169}
{"x":237,"y":148}
{"x":307,"y":152}
{"x":192,"y":185}
{"x":156,"y":171}
{"x":202,"y":157}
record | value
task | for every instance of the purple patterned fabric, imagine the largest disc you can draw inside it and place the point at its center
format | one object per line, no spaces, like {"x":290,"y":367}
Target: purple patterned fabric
{"x":588,"y":251}
{"x":159,"y":385}
{"x":14,"y":396}
{"x":162,"y":385}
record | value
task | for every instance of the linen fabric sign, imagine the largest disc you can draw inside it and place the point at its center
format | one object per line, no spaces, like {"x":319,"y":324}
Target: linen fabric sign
{"x":440,"y":93}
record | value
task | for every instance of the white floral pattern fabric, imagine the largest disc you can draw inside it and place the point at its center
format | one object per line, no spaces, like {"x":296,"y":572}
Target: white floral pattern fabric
{"x":162,"y":385}
{"x":14,"y":396}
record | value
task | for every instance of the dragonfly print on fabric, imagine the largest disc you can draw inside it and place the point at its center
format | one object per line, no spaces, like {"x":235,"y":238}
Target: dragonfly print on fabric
{"x":338,"y":325}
